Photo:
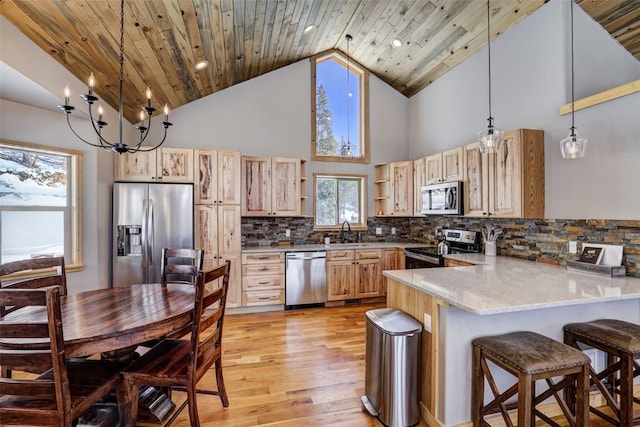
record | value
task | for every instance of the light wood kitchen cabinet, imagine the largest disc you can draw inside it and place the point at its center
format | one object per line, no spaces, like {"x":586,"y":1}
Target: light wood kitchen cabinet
{"x":163,"y":164}
{"x":263,"y":278}
{"x":271,"y":186}
{"x":218,"y":233}
{"x":218,"y":177}
{"x":507,"y":184}
{"x":392,"y":259}
{"x":444,"y":167}
{"x":354,"y":274}
{"x":393,"y":189}
{"x":419,"y":179}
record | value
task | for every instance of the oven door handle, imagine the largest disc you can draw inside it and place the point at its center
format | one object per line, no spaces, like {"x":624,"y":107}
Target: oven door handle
{"x":425,"y":258}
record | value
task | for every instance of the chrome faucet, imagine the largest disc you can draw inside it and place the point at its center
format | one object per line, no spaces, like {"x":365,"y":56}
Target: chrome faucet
{"x":342,"y":230}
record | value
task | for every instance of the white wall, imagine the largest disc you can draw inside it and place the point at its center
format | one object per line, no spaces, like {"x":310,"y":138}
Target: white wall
{"x":528,"y":87}
{"x":270,"y":116}
{"x":26,"y":123}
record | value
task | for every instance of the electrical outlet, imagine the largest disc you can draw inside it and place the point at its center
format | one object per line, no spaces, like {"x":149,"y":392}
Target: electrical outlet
{"x":393,"y":230}
{"x":287,"y":232}
{"x":378,"y":230}
{"x":573,"y":247}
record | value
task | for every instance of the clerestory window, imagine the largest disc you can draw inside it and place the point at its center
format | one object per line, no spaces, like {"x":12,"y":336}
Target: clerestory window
{"x":340,"y":103}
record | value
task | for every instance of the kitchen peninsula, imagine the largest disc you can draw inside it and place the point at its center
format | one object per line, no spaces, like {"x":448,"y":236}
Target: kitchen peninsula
{"x":494,"y":296}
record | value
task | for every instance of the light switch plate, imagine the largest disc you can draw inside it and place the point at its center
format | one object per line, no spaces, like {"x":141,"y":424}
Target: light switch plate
{"x":393,"y":230}
{"x":573,"y":247}
{"x":287,"y":232}
{"x":378,"y":230}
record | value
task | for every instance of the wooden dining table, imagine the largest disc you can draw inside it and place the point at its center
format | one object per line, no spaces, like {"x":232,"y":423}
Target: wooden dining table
{"x":107,"y":320}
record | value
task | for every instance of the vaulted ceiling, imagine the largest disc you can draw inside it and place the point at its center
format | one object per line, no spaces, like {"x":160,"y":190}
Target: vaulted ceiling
{"x":243,"y":39}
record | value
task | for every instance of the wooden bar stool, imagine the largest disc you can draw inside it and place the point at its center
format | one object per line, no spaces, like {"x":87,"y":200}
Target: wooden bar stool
{"x":529,"y":357}
{"x":620,"y":341}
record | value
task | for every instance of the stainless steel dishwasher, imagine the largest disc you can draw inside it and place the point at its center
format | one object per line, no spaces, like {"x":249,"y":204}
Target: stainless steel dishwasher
{"x":306,"y":279}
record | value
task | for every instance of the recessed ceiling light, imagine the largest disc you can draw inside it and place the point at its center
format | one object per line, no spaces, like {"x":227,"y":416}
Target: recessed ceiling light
{"x":201,"y":65}
{"x":309,"y":28}
{"x":396,"y":43}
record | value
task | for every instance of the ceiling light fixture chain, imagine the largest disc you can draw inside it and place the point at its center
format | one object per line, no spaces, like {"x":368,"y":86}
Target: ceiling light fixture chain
{"x":346,"y":150}
{"x":146,"y":113}
{"x":490,"y":140}
{"x":573,"y":146}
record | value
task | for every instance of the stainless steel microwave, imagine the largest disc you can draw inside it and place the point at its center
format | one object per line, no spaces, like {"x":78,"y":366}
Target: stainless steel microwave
{"x":442,"y":199}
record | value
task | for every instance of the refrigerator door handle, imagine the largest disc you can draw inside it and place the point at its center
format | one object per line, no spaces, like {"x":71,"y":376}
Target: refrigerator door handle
{"x":144,"y":237}
{"x":151,"y":232}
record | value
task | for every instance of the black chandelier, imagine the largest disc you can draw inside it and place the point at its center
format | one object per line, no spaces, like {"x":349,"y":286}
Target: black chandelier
{"x":146,"y":112}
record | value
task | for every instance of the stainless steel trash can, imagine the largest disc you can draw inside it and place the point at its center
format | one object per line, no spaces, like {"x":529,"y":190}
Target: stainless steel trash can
{"x":391,"y":376}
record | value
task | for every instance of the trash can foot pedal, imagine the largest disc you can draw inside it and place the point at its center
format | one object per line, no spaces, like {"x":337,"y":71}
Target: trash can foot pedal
{"x":368,"y":406}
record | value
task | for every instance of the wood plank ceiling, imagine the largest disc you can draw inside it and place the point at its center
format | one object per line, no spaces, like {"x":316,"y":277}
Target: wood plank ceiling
{"x":243,"y":39}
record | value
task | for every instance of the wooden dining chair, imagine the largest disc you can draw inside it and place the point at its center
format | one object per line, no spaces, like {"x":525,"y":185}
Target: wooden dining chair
{"x":179,"y":364}
{"x":181,"y":265}
{"x":52,"y":390}
{"x":11,"y":273}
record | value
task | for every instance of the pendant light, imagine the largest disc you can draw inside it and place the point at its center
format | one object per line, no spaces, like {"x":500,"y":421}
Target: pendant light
{"x":573,"y":146}
{"x":490,"y":140}
{"x":345,"y":150}
{"x":145,"y":113}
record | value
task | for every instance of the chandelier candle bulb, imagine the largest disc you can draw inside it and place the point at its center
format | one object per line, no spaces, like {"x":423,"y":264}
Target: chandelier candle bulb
{"x":166,"y":113}
{"x":92,"y":82}
{"x":67,"y":93}
{"x":100,"y":111}
{"x":148,"y":92}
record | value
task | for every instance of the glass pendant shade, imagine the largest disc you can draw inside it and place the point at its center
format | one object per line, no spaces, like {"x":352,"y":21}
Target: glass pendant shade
{"x":573,"y":146}
{"x":490,"y":140}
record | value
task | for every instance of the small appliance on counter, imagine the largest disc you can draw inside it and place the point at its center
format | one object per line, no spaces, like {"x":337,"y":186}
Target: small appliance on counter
{"x":452,"y":242}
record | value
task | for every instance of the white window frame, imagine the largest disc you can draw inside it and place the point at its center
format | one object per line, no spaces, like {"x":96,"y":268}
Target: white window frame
{"x":362,"y":225}
{"x":72,"y":210}
{"x":363,"y":124}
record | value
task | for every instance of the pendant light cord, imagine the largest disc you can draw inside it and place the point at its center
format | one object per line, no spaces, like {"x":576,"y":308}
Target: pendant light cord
{"x":348,"y":90}
{"x":489,"y":48}
{"x":121,"y":105}
{"x":573,"y":126}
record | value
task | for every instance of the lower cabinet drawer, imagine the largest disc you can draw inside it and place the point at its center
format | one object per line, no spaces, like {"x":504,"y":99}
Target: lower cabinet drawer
{"x":275,"y":296}
{"x":262,"y":269}
{"x":255,"y":283}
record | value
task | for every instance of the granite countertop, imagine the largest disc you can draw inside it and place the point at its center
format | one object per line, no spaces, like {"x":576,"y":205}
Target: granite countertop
{"x":330,"y":247}
{"x":503,"y":284}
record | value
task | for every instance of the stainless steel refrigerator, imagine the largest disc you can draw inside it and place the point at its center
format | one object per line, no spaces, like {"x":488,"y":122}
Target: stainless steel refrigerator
{"x":146,"y":218}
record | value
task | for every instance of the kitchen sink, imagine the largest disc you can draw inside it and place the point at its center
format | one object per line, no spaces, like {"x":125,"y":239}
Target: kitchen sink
{"x":348,"y":245}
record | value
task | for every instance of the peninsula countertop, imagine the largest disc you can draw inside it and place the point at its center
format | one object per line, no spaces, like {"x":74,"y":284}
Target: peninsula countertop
{"x":504,"y":284}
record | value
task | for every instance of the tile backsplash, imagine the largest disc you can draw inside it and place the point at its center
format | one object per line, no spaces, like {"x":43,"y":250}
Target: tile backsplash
{"x":542,"y":240}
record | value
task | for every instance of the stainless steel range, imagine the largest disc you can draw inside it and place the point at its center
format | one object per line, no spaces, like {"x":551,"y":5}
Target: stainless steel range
{"x":452,"y":241}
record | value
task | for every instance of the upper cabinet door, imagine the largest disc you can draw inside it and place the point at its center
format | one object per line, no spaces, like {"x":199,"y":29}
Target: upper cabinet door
{"x":433,"y":169}
{"x":401,"y":188}
{"x":475,"y":187}
{"x":140,"y":166}
{"x":206,"y":176}
{"x":175,"y":164}
{"x":285,"y":186}
{"x":452,"y":163}
{"x":229,"y":177}
{"x":256,"y":188}
{"x":505,"y":179}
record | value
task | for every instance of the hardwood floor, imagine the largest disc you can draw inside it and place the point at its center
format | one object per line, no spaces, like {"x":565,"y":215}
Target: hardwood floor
{"x":294,"y":368}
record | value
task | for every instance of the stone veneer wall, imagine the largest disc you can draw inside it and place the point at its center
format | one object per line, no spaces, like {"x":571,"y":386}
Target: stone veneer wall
{"x":542,"y":240}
